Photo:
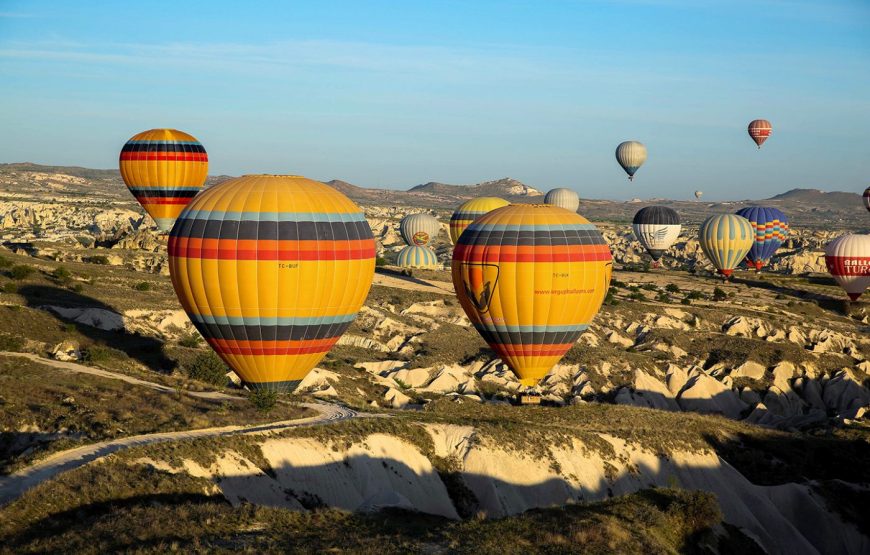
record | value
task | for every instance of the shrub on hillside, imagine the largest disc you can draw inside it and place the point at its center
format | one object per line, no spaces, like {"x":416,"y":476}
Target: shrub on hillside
{"x":142,"y":286}
{"x":96,"y":354}
{"x":11,"y":343}
{"x":61,"y":275}
{"x":264,"y":400}
{"x":208,"y":367}
{"x":20,"y":271}
{"x":191,"y":340}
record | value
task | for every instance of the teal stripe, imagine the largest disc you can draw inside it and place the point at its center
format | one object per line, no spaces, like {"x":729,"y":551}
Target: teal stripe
{"x":192,"y":214}
{"x":539,"y":227}
{"x":272,"y":321}
{"x":504,"y":328}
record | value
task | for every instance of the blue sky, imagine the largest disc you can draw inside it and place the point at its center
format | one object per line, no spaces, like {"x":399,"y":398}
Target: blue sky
{"x":392,"y":94}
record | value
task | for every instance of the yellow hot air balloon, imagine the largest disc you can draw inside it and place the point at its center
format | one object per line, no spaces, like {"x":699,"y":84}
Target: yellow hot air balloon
{"x":530,"y":278}
{"x":470,"y":211}
{"x":271,"y":270}
{"x":726,"y":240}
{"x":164,"y":169}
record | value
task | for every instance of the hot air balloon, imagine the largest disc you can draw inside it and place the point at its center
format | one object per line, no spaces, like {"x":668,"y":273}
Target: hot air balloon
{"x":848,"y":261}
{"x":631,"y":155}
{"x":563,"y":198}
{"x":530,"y":278}
{"x":271,"y":269}
{"x":867,"y":198}
{"x":470,"y":211}
{"x":419,"y":229}
{"x":656,"y":227}
{"x":417,"y":257}
{"x":759,"y":130}
{"x":699,"y":194}
{"x":164,"y":169}
{"x":771,"y":229}
{"x":726,"y":239}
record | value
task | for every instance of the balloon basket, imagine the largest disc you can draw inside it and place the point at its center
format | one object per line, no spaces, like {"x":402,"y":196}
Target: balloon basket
{"x":527,"y":398}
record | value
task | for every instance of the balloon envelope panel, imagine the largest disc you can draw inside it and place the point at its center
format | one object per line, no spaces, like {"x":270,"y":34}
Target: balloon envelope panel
{"x":657,"y":228}
{"x":470,"y":211}
{"x":271,"y":271}
{"x":848,"y":261}
{"x":867,"y":198}
{"x":563,"y":198}
{"x":530,"y":278}
{"x":726,"y":239}
{"x":771,"y":229}
{"x":164,"y":169}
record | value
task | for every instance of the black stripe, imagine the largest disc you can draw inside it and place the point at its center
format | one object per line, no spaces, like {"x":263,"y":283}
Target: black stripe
{"x":291,"y":231}
{"x":555,"y":237}
{"x":271,"y":333}
{"x":278,"y":387}
{"x":163,"y":147}
{"x":657,"y":215}
{"x":529,"y":337}
{"x":162,"y":193}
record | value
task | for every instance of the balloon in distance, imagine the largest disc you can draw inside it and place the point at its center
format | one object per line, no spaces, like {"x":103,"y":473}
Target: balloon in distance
{"x":419,"y":229}
{"x":412,"y":256}
{"x":531,"y":277}
{"x":657,"y":228}
{"x":771,"y":229}
{"x":563,"y":198}
{"x":726,"y":240}
{"x":848,"y":261}
{"x":631,"y":155}
{"x":760,"y":130}
{"x":271,"y":270}
{"x":164,"y":169}
{"x":470,"y":211}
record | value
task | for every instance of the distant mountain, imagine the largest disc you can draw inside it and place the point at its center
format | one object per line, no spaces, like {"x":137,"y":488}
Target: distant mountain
{"x":820,"y":199}
{"x":505,"y":187}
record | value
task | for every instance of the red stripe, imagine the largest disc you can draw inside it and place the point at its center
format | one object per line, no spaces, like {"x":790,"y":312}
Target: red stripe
{"x":164,"y":200}
{"x":171,"y":156}
{"x":250,"y":249}
{"x":495,"y":254}
{"x":303,"y":347}
{"x":531,"y":350}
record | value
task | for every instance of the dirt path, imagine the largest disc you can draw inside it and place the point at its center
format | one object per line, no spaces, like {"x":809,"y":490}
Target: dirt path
{"x":15,"y":484}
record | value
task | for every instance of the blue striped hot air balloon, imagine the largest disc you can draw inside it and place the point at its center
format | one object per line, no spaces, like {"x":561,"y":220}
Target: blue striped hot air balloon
{"x":726,"y":239}
{"x":771,"y":229}
{"x":417,"y":257}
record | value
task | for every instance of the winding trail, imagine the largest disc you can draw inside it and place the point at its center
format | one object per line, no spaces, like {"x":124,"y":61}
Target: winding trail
{"x":15,"y":484}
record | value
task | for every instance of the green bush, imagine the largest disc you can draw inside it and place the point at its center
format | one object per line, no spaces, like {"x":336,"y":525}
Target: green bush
{"x":719,"y":294}
{"x":20,"y":271}
{"x":686,"y":301}
{"x":208,"y":367}
{"x":264,"y":400}
{"x":5,"y":262}
{"x":12,"y":343}
{"x":672,"y":288}
{"x":10,"y":287}
{"x":663,"y":297}
{"x":191,"y":340}
{"x":142,"y":286}
{"x":77,"y":287}
{"x":61,"y":275}
{"x":610,"y":299}
{"x":380,"y":261}
{"x":637,"y":296}
{"x":96,"y":354}
{"x":98,"y":259}
{"x":695,"y":295}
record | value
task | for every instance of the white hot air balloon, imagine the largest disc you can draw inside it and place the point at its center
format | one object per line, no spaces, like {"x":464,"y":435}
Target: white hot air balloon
{"x":699,"y":194}
{"x":563,"y":198}
{"x":419,"y":229}
{"x":848,"y":261}
{"x":631,"y":155}
{"x":657,"y":228}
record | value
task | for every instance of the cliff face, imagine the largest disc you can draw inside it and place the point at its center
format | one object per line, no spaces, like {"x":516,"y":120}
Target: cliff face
{"x":491,"y":480}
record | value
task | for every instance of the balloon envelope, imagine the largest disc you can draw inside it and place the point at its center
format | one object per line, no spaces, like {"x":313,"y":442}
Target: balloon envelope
{"x":470,"y":211}
{"x":417,"y":257}
{"x":563,"y":198}
{"x":771,"y":229}
{"x":848,"y":261}
{"x":726,"y":239}
{"x":631,"y":155}
{"x":867,"y":198}
{"x":760,"y":130}
{"x":530,"y":277}
{"x":419,"y":229}
{"x":271,"y":271}
{"x":164,"y":169}
{"x":699,"y":194}
{"x":657,"y":228}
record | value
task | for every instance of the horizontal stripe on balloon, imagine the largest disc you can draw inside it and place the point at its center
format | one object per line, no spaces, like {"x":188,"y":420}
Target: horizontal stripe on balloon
{"x":174,"y":200}
{"x":307,"y":347}
{"x":529,"y":338}
{"x":164,"y":193}
{"x":554,"y":227}
{"x":270,"y":230}
{"x":230,"y":249}
{"x":161,"y":156}
{"x":281,"y":387}
{"x":162,"y":146}
{"x":226,"y":215}
{"x":531,"y":350}
{"x":495,"y":254}
{"x":272,"y":320}
{"x":272,"y":333}
{"x":466,"y":216}
{"x":530,"y":238}
{"x":504,"y":328}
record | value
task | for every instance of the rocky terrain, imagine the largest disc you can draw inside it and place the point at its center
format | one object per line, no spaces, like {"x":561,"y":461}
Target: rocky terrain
{"x":754,"y":390}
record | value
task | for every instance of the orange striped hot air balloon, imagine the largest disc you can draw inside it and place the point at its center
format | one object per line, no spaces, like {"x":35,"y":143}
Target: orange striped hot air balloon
{"x":164,"y":169}
{"x":271,"y":270}
{"x":530,"y":278}
{"x":760,"y":130}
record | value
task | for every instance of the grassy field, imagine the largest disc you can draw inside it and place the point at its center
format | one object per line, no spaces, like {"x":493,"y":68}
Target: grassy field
{"x":117,"y":507}
{"x":44,"y":409}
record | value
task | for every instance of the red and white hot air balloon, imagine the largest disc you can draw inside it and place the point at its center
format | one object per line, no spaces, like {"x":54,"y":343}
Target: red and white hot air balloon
{"x":848,"y":261}
{"x":759,"y":130}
